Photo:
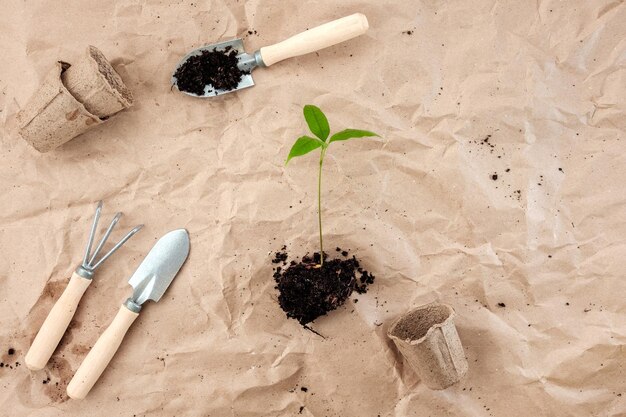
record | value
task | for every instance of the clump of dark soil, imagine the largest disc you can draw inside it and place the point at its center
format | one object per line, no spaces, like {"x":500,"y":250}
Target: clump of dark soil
{"x":218,"y":69}
{"x":308,"y":291}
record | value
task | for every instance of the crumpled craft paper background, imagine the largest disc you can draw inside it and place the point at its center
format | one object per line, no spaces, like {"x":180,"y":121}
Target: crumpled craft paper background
{"x":422,"y":208}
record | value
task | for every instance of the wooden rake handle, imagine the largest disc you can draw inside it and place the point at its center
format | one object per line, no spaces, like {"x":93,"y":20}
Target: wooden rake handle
{"x":101,"y":354}
{"x":320,"y":37}
{"x":56,"y":323}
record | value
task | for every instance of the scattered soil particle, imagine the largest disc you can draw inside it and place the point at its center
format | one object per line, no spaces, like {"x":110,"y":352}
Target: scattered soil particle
{"x":485,"y":141}
{"x":517,"y":194}
{"x":218,"y":69}
{"x":501,"y":305}
{"x":280,"y":257}
{"x":304,"y":389}
{"x":11,"y":351}
{"x":308,"y":291}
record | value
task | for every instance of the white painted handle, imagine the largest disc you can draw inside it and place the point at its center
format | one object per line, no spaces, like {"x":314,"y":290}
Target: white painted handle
{"x":100,"y":355}
{"x":321,"y":37}
{"x":56,"y":323}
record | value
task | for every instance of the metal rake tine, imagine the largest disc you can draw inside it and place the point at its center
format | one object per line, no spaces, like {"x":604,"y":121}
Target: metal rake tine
{"x":116,"y":218}
{"x":94,"y":226}
{"x":118,"y":245}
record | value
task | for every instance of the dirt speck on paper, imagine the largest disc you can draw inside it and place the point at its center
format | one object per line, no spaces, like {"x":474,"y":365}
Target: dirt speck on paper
{"x":53,"y":289}
{"x":58,"y":375}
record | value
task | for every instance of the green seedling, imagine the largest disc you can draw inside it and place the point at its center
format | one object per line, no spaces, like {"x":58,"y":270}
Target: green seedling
{"x":318,"y":125}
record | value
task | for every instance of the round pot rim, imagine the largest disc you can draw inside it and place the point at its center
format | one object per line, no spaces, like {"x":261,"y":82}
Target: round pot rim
{"x":451,"y":316}
{"x":125,"y":101}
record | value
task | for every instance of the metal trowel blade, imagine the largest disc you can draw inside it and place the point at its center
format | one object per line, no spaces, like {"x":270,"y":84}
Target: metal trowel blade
{"x":160,"y":266}
{"x":246,"y":62}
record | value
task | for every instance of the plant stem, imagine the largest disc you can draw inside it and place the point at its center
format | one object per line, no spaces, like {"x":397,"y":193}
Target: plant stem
{"x":319,"y":205}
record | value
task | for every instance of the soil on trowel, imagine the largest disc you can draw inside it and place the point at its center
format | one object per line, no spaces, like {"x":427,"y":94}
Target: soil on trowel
{"x":308,"y":291}
{"x":218,"y":69}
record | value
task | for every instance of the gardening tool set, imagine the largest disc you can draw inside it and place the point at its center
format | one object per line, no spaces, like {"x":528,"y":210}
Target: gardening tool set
{"x":61,"y":314}
{"x":73,"y":99}
{"x":149,"y":282}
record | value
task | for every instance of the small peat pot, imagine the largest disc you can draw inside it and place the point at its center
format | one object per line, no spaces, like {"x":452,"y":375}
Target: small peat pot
{"x":94,"y":82}
{"x":71,"y":100}
{"x":428,"y":340}
{"x":53,"y":116}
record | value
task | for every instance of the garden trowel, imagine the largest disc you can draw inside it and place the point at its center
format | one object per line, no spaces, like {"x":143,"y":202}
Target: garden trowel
{"x":149,"y":282}
{"x":312,"y":40}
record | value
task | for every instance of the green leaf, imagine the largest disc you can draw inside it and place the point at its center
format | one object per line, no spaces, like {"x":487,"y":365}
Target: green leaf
{"x":349,"y":134}
{"x":317,"y":121}
{"x":303,"y":145}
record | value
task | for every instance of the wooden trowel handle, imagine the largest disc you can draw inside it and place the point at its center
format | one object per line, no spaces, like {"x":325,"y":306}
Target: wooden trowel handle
{"x":320,"y":37}
{"x":56,"y":323}
{"x":100,"y":355}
